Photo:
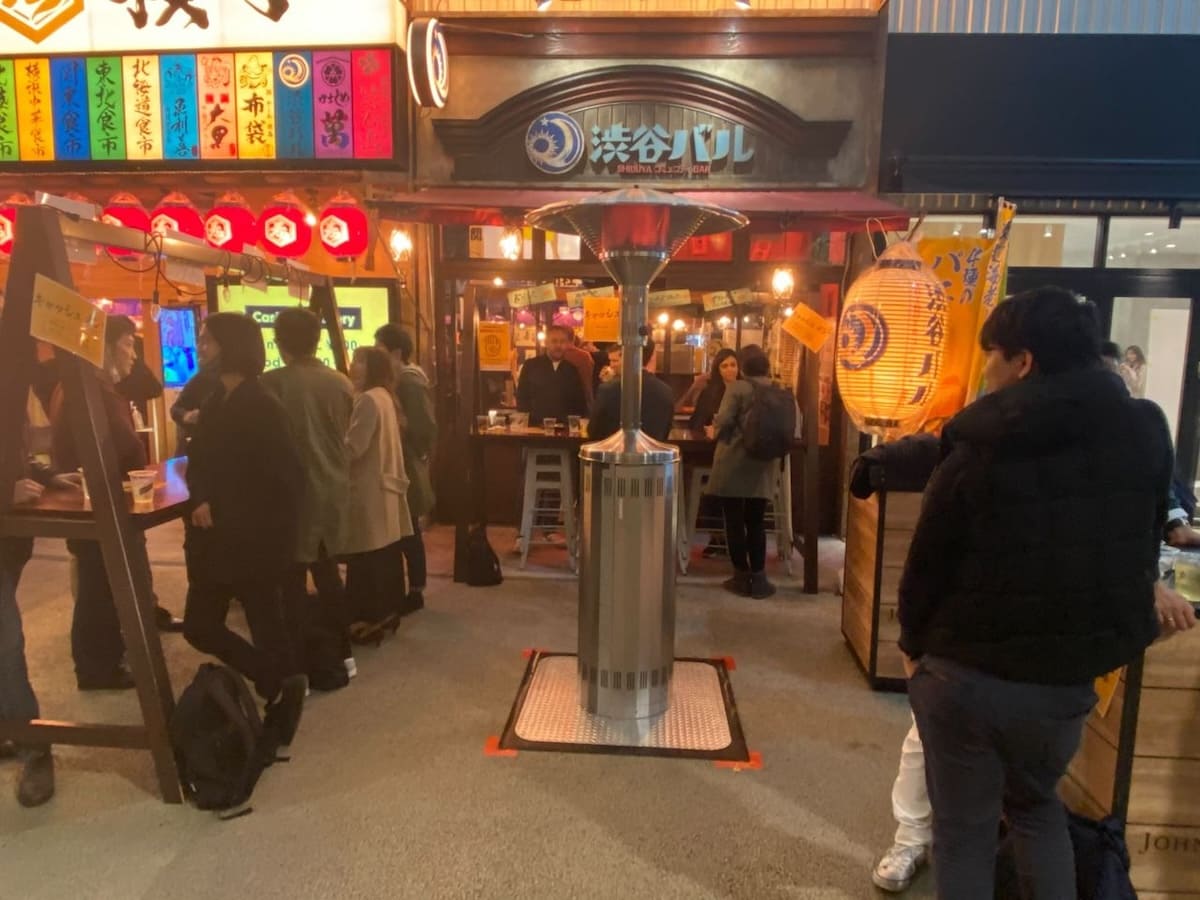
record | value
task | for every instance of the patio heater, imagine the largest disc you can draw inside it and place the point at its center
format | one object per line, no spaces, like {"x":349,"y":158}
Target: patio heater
{"x":630,"y":482}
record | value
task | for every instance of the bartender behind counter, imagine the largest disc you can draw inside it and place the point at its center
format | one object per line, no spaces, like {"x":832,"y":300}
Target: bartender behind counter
{"x":549,"y":386}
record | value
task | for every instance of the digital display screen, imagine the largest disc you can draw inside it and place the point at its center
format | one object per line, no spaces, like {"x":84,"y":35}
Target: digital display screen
{"x":177,"y":331}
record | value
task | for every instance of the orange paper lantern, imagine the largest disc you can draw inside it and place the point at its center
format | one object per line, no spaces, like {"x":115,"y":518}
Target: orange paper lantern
{"x":890,"y":343}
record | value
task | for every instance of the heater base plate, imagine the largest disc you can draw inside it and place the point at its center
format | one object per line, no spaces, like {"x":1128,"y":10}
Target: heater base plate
{"x":701,"y":723}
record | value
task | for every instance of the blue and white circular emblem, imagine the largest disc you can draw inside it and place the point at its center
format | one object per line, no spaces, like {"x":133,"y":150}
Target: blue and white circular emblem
{"x":554,"y":143}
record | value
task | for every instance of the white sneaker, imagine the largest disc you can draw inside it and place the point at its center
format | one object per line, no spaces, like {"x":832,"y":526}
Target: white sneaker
{"x":351,"y":667}
{"x":899,"y":866}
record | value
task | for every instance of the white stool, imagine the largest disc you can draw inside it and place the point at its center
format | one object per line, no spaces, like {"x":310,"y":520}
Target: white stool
{"x":689,"y":520}
{"x":547,"y":473}
{"x":779,"y":514}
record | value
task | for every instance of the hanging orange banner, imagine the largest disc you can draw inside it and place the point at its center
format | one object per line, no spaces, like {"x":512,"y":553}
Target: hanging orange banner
{"x":143,"y":107}
{"x":255,"y":105}
{"x":35,"y":118}
{"x":601,"y":319}
{"x":971,"y":270}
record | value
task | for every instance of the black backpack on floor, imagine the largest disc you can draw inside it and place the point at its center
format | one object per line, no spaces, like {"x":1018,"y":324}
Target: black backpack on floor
{"x":769,"y":424}
{"x":221,"y":747}
{"x":483,"y":565}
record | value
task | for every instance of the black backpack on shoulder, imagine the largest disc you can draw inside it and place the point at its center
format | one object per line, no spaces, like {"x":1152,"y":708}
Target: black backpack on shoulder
{"x":483,"y":565}
{"x":221,"y":746}
{"x":769,"y":424}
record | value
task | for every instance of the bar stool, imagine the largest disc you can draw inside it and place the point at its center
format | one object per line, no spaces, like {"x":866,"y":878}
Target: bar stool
{"x":689,"y":523}
{"x":779,"y":514}
{"x":549,"y":500}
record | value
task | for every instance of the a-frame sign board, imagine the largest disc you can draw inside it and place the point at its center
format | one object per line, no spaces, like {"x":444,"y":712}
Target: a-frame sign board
{"x":39,"y":249}
{"x":323,"y":303}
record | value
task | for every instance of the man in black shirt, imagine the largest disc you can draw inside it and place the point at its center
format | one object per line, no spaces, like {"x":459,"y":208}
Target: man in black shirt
{"x":658,"y":405}
{"x":549,"y":387}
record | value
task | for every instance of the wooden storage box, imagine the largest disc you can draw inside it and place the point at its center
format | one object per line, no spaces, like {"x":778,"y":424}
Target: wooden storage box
{"x":878,"y":532}
{"x":1141,"y":762}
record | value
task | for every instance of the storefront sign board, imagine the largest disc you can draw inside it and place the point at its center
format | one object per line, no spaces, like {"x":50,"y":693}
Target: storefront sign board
{"x":575,"y":298}
{"x":66,"y":320}
{"x":742,"y":296}
{"x":658,"y":299}
{"x":716,"y":300}
{"x":601,"y":319}
{"x":495,"y":346}
{"x":100,"y":26}
{"x":281,"y":105}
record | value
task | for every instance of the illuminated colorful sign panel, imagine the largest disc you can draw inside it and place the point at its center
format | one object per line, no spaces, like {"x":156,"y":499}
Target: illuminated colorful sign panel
{"x":288,"y":105}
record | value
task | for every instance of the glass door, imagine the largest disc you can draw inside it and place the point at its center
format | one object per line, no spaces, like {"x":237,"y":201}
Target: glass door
{"x":1153,"y":334}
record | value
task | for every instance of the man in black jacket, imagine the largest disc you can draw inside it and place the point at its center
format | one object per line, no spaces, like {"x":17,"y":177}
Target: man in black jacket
{"x":550,"y":387}
{"x":658,"y":405}
{"x":1009,"y":610}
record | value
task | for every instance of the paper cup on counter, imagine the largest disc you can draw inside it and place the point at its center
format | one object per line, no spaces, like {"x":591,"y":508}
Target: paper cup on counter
{"x":142,"y":483}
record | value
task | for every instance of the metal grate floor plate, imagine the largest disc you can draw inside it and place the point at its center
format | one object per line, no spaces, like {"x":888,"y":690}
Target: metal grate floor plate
{"x":701,"y":722}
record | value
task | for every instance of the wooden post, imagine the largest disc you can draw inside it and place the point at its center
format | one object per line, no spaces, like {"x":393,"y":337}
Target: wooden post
{"x":40,"y":251}
{"x":323,"y":302}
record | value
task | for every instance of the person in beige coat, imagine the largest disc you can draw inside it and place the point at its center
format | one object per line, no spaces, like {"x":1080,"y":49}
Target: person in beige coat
{"x":379,"y":512}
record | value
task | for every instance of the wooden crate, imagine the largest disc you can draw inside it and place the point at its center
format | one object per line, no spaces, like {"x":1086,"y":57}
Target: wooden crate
{"x":878,"y":533}
{"x":1141,"y":762}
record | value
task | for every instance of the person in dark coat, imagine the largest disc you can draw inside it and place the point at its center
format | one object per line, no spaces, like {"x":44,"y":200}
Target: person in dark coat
{"x":185,"y":411}
{"x":725,"y":371}
{"x":658,"y":405}
{"x":1008,"y":610}
{"x":246,"y":484}
{"x":549,"y":386}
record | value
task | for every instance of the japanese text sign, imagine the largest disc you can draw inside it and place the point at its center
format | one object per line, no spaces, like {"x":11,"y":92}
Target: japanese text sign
{"x":601,"y":319}
{"x":66,"y":320}
{"x":716,"y":300}
{"x":495,"y":346}
{"x":680,"y":297}
{"x":575,"y":298}
{"x":542,"y":293}
{"x":198,"y":107}
{"x":809,"y":327}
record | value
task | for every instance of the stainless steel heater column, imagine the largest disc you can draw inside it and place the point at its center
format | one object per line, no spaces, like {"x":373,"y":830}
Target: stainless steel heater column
{"x":629,"y":481}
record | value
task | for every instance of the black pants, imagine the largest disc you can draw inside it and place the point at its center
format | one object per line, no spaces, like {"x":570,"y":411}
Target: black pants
{"x":330,"y":594}
{"x":745,"y":532}
{"x":375,"y":583}
{"x":992,"y":748}
{"x":271,"y":657}
{"x":413,"y":550}
{"x":97,"y":646}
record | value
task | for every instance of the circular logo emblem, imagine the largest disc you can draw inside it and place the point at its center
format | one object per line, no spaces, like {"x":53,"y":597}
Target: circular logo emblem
{"x":439,"y":64}
{"x":333,"y":73}
{"x":863,"y":336}
{"x":554,"y":143}
{"x":294,"y":70}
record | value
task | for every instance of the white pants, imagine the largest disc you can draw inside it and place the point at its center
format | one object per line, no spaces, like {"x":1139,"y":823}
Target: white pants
{"x":910,"y":799}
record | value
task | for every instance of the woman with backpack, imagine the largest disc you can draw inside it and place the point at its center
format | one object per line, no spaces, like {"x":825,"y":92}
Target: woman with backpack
{"x":379,"y":511}
{"x":742,"y":483}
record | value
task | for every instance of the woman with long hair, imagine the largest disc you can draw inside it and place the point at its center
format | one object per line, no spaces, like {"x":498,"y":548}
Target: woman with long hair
{"x":1133,"y":370}
{"x":379,"y":512}
{"x":725,"y":371}
{"x":245,"y":477}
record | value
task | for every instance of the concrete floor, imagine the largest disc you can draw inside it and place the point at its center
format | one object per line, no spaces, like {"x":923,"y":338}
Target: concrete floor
{"x":388,"y":793}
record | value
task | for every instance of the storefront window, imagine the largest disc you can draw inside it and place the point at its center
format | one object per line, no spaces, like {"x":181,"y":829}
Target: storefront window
{"x":1053,"y":241}
{"x":1151,"y":244}
{"x":1153,"y":335}
{"x":944,"y":226}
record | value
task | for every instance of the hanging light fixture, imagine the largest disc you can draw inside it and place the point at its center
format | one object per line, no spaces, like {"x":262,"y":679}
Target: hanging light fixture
{"x":400,"y":244}
{"x":512,"y":243}
{"x":175,"y":212}
{"x":344,"y":228}
{"x":8,"y":220}
{"x":230,"y":224}
{"x":679,"y":325}
{"x":284,"y":228}
{"x":783,"y":283}
{"x":127,"y":210}
{"x":890,"y":343}
{"x":664,"y":318}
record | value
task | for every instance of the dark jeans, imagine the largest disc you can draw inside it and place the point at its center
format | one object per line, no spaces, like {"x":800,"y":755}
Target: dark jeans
{"x":330,"y":594}
{"x":17,"y":700}
{"x":413,"y":549}
{"x":375,"y":583}
{"x":745,"y":532}
{"x":992,"y":748}
{"x":96,"y":642}
{"x":271,"y":657}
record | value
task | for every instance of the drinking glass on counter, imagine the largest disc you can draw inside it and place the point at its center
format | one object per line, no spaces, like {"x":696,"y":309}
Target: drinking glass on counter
{"x":574,"y":425}
{"x":549,"y":425}
{"x":142,"y":482}
{"x":518,"y":421}
{"x":482,"y":423}
{"x":1187,"y":576}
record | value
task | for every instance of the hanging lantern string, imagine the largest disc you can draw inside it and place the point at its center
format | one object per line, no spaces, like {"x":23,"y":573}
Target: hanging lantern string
{"x":915,"y":228}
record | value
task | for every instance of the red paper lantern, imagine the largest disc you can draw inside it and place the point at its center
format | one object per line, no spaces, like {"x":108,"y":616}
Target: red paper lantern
{"x":125,"y":209}
{"x":285,"y":228}
{"x":343,"y":227}
{"x":230,"y":224}
{"x":8,"y":220}
{"x":175,"y":212}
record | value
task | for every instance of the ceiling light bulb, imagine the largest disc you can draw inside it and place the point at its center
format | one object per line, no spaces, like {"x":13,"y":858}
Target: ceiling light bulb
{"x":541,"y":336}
{"x":679,"y":325}
{"x":1149,"y":234}
{"x":498,"y":281}
{"x":1171,"y":246}
{"x":663,"y":318}
{"x":742,"y":4}
{"x":1048,"y":233}
{"x":543,"y":5}
{"x":1122,"y":256}
{"x":957,"y":229}
{"x":400,"y":244}
{"x":724,"y":321}
{"x":783,"y":282}
{"x":787,"y":311}
{"x":310,"y":219}
{"x":745,"y":320}
{"x":512,"y":243}
{"x":1153,"y":251}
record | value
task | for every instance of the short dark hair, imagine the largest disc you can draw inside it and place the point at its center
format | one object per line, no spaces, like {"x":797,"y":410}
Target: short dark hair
{"x":378,"y":368}
{"x":240,"y":341}
{"x":563,"y":330}
{"x":1110,"y":350}
{"x":755,"y":365}
{"x":1058,"y":329}
{"x":647,"y":354}
{"x":396,"y":339}
{"x":297,"y":332}
{"x":118,"y":327}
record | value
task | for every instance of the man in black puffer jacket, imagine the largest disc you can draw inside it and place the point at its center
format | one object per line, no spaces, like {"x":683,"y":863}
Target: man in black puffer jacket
{"x":1008,"y":607}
